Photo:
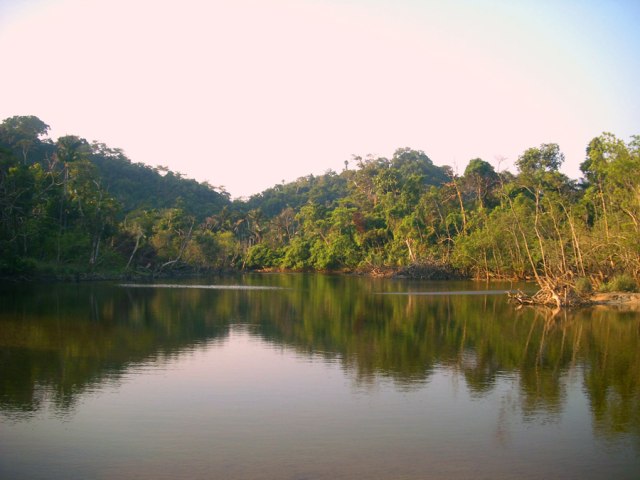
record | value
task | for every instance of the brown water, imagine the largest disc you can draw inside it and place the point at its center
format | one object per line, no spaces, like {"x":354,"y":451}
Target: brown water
{"x":313,"y":377}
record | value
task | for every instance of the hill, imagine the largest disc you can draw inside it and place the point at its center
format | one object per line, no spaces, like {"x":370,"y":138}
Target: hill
{"x":72,"y":207}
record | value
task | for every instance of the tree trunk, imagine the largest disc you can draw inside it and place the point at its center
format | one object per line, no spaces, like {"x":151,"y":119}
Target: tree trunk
{"x":135,"y":249}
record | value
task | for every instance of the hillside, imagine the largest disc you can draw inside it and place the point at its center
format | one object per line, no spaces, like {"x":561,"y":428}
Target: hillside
{"x":73,"y":207}
{"x":139,"y":187}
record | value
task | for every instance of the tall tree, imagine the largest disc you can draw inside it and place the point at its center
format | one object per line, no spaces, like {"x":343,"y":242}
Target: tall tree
{"x":481,"y":178}
{"x":22,"y":133}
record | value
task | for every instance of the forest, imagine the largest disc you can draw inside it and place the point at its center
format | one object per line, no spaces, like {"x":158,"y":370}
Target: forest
{"x":74,"y":209}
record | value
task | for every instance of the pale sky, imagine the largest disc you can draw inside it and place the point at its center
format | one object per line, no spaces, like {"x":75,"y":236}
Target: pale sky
{"x":247,"y":93}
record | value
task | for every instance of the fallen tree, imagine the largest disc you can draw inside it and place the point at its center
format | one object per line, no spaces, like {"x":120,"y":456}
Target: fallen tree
{"x":554,"y":292}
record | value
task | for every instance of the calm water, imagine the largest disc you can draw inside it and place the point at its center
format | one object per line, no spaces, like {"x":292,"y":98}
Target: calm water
{"x":314,"y":377}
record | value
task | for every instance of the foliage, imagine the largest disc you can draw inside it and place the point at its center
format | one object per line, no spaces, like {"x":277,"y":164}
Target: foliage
{"x":73,"y":205}
{"x":583,"y":286}
{"x":138,"y":186}
{"x":620,"y":283}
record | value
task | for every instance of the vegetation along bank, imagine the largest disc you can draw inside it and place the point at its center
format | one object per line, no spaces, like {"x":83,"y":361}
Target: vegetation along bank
{"x":73,"y":208}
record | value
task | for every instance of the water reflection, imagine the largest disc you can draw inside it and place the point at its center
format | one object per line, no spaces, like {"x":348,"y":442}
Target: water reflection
{"x":58,"y":343}
{"x":197,"y":286}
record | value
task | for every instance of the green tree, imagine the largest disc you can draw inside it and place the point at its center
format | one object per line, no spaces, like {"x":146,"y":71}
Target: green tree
{"x":612,"y":194}
{"x":22,"y":134}
{"x":481,"y":178}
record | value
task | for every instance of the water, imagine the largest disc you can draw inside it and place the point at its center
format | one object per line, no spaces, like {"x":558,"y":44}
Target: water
{"x":312,"y":377}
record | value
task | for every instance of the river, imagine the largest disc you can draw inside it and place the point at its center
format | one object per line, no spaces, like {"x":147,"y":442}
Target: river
{"x":312,"y":377}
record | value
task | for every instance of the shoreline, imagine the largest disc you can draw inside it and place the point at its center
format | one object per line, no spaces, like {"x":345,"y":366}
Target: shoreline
{"x":630,"y":300}
{"x":626,"y":300}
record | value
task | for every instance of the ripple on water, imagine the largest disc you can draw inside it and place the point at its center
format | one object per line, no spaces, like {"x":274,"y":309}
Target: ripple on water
{"x":208,"y":287}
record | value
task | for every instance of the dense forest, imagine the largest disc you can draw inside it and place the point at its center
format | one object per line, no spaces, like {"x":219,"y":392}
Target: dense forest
{"x":73,"y":208}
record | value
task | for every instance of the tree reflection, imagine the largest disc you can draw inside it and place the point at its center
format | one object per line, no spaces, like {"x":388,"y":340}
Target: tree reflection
{"x":58,"y":342}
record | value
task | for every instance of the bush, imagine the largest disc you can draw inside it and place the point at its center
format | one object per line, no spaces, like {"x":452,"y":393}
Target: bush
{"x":261,"y":256}
{"x":620,"y":283}
{"x":17,"y":266}
{"x":583,"y":286}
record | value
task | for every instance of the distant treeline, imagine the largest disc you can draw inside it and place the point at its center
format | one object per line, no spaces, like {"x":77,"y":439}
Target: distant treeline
{"x":71,"y":207}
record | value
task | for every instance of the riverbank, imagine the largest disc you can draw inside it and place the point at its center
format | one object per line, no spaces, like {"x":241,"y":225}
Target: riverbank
{"x":620,"y":300}
{"x":110,"y":276}
{"x":626,"y":300}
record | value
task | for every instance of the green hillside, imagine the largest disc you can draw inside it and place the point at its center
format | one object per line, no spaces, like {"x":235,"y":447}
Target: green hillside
{"x":73,"y":207}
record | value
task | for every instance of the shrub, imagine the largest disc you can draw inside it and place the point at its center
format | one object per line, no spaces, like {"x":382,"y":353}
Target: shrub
{"x":261,"y":256}
{"x":17,"y":266}
{"x":583,"y":286}
{"x":620,"y":283}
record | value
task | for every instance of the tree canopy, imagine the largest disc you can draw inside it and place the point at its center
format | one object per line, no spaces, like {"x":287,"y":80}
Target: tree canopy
{"x":73,"y":206}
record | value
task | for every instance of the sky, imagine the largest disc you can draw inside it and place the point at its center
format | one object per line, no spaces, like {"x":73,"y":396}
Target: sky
{"x":246,"y":94}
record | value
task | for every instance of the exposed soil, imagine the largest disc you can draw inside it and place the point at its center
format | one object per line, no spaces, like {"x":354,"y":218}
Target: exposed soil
{"x":626,"y":300}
